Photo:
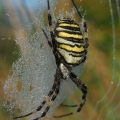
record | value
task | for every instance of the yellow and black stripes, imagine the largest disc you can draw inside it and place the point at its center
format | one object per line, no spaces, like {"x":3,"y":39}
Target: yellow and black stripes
{"x":70,"y":41}
{"x":69,"y":31}
{"x":70,"y":48}
{"x":68,"y":24}
{"x":68,"y":34}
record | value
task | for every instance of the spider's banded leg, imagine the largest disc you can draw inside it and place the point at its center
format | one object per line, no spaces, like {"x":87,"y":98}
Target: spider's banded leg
{"x":51,"y":102}
{"x":58,"y":77}
{"x":85,"y":32}
{"x":83,"y":88}
{"x":50,"y":22}
{"x":84,"y":25}
{"x":55,"y":89}
{"x":43,"y":103}
{"x":49,"y":42}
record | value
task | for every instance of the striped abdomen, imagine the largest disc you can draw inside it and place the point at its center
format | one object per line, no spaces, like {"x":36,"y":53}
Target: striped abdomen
{"x":70,"y":42}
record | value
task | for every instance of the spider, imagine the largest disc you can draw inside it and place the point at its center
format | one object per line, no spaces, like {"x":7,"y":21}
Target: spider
{"x":69,"y":43}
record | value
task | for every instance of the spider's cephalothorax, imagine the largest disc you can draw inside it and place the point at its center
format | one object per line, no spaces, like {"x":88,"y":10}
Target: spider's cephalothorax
{"x":69,"y":42}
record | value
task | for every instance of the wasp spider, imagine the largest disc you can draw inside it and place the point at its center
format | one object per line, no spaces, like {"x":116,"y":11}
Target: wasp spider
{"x":69,"y":42}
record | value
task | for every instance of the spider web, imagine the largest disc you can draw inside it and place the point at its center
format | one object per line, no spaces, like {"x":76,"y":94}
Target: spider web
{"x":32,"y":75}
{"x":24,"y":51}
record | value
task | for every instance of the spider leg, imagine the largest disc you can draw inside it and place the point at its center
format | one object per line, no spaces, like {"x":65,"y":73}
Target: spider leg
{"x":51,"y":102}
{"x":55,"y":88}
{"x":50,"y":23}
{"x":49,"y":42}
{"x":77,"y":9}
{"x":43,"y":103}
{"x":83,"y":88}
{"x":58,"y":77}
{"x":84,"y":25}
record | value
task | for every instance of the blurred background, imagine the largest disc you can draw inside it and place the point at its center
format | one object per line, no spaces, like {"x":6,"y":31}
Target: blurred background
{"x":102,"y":69}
